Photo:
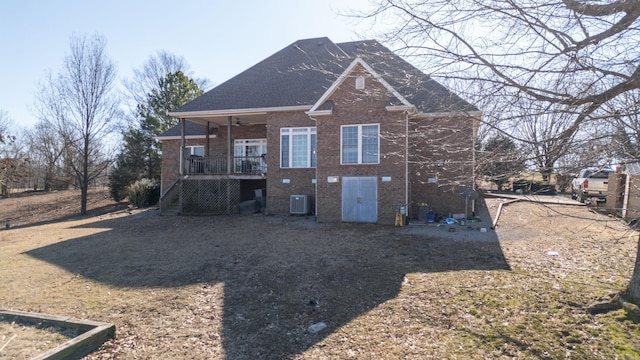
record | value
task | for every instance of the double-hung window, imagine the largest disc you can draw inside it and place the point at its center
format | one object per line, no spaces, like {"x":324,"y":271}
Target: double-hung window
{"x":360,"y":144}
{"x":298,"y":147}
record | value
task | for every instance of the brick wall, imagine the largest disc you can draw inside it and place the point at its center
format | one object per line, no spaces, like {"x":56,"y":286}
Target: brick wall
{"x":633,"y":202}
{"x":615,"y":192}
{"x":351,"y":107}
{"x":441,"y":161}
{"x":170,"y":164}
{"x":300,"y":180}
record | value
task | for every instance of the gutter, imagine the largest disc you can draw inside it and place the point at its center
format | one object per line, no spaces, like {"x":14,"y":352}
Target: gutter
{"x":237,"y":112}
{"x":422,"y":115}
{"x":178,"y":137}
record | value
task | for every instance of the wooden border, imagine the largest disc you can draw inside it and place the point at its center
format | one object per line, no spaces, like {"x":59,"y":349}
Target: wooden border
{"x":95,"y":333}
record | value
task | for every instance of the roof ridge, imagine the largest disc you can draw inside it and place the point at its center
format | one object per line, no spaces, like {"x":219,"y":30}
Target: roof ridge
{"x":356,"y":41}
{"x":299,"y":73}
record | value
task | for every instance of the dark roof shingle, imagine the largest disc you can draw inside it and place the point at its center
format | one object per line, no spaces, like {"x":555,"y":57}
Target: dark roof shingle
{"x":426,"y":94}
{"x":300,"y":74}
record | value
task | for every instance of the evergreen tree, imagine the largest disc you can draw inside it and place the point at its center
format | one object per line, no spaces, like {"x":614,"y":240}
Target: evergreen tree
{"x":500,"y":160}
{"x":175,"y":90}
{"x":140,"y":156}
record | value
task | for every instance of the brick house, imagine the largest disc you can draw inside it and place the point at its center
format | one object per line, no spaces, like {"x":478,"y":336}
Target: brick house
{"x":348,"y":132}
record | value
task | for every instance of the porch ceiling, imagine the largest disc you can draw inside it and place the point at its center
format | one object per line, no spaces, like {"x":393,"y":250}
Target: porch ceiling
{"x":236,"y":119}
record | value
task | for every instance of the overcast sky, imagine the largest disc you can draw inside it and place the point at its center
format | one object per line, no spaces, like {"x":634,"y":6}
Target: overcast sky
{"x":218,"y":38}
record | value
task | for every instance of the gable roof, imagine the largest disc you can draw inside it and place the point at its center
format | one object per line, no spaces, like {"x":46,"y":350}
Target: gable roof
{"x":426,"y":94}
{"x":301,"y":73}
{"x":321,"y":103}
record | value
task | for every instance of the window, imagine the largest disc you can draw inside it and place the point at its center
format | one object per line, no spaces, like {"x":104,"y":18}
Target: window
{"x":249,"y":147}
{"x":298,"y":147}
{"x":195,"y":151}
{"x":360,"y":144}
{"x":249,"y":155}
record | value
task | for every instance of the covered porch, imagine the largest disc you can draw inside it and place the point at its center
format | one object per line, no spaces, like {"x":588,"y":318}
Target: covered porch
{"x":214,"y":167}
{"x":244,"y":151}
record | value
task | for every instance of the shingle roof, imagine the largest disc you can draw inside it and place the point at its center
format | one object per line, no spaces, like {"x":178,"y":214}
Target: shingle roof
{"x":426,"y":94}
{"x":300,"y":73}
{"x":295,"y":75}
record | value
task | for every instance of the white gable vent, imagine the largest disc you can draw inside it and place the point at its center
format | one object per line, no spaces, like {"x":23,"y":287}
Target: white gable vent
{"x":360,"y":83}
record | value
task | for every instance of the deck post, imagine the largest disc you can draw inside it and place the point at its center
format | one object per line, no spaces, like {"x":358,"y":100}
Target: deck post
{"x":206,"y":136}
{"x":229,"y":163}
{"x":229,"y":146}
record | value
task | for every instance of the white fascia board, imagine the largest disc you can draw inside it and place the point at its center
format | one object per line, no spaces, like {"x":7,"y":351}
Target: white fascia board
{"x":188,"y":137}
{"x":409,"y":108}
{"x":474,"y":114}
{"x":238,"y":112}
{"x":345,"y":74}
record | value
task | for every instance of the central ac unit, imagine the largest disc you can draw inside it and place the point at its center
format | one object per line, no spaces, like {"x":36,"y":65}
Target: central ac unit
{"x":299,"y":205}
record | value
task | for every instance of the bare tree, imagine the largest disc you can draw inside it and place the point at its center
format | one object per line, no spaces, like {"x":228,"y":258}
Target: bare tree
{"x":147,"y":78}
{"x":4,"y":126}
{"x":538,"y":134}
{"x":626,"y":126}
{"x":499,"y":160}
{"x":7,"y":163}
{"x":79,"y":105}
{"x":581,"y":55}
{"x":571,"y":53}
{"x":14,"y":161}
{"x":47,"y":149}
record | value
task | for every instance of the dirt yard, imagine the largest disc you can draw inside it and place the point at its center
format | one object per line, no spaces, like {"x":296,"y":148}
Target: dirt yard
{"x":249,"y":287}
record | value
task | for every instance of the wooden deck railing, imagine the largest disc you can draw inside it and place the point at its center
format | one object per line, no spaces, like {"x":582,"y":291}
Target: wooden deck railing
{"x":253,"y":165}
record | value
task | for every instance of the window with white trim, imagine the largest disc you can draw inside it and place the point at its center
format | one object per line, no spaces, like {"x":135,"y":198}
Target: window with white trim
{"x":195,"y":151}
{"x":298,"y":147}
{"x":249,"y":155}
{"x":249,"y":147}
{"x":360,"y":144}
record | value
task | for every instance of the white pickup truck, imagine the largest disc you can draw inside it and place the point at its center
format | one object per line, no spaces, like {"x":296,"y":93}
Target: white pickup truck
{"x":591,"y":183}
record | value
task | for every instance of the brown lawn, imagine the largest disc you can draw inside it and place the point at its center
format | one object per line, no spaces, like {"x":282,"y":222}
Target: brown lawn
{"x":249,"y":287}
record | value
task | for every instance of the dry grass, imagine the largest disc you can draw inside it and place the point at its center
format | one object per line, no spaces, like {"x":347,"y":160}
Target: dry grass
{"x":248,"y":287}
{"x":19,"y":341}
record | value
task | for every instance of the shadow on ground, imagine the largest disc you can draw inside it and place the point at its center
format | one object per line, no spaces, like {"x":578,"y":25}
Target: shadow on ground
{"x":97,"y":211}
{"x":280,"y":274}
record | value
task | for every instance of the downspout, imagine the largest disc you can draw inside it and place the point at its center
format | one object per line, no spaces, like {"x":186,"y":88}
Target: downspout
{"x":406,"y":163}
{"x":474,"y":133}
{"x":183,"y":144}
{"x":315,"y":196}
